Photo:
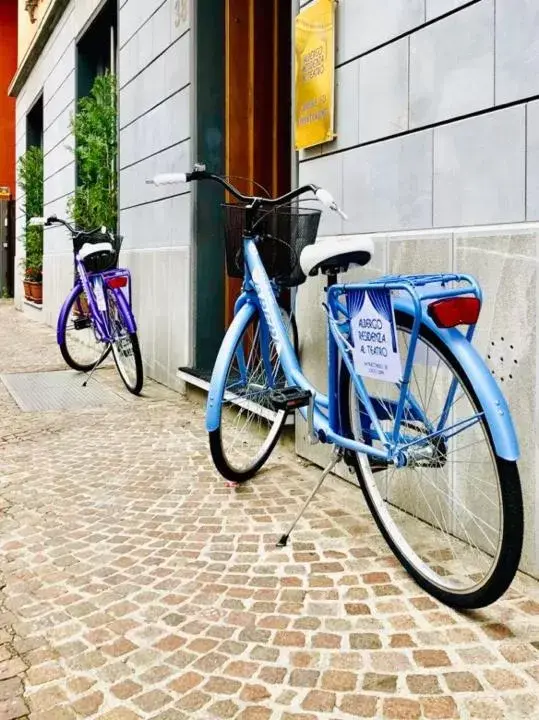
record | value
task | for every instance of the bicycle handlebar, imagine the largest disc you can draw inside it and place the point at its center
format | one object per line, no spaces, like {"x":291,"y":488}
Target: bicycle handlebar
{"x":53,"y":220}
{"x":200,"y":173}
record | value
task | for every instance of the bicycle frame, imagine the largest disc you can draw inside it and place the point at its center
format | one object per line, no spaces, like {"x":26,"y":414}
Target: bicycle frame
{"x":259,"y":295}
{"x":100,"y":318}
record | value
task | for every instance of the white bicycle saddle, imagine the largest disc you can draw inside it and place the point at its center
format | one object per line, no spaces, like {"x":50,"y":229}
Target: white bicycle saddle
{"x":89,"y":249}
{"x":336,"y":255}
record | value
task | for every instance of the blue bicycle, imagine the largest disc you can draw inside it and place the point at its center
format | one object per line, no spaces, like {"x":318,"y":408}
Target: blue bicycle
{"x":410,"y":407}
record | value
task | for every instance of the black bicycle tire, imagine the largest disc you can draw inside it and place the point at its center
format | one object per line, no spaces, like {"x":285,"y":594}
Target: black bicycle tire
{"x":65,"y":352}
{"x":133,"y":337}
{"x":506,"y":567}
{"x":136,"y":390}
{"x":215,"y":441}
{"x":295,"y":334}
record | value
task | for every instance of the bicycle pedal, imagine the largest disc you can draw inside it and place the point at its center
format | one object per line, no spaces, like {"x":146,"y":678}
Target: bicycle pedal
{"x":82,"y":323}
{"x":290,"y":398}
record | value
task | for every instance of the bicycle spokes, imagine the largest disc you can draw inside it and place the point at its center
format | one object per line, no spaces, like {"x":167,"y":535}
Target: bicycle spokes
{"x":82,"y":348}
{"x":122,"y":345}
{"x":440,"y":496}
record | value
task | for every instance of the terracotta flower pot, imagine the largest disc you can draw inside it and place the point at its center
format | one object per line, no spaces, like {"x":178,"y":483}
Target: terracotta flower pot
{"x":36,"y":292}
{"x":83,"y":304}
{"x":27,"y":292}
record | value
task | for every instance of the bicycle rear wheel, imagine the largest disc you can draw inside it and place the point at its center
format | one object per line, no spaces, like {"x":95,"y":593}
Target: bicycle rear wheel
{"x":453,"y":514}
{"x":249,"y":428}
{"x":80,"y":347}
{"x":125,"y":345}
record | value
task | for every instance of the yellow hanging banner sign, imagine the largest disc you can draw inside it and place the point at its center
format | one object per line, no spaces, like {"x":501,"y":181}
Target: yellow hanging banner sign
{"x":315,"y":74}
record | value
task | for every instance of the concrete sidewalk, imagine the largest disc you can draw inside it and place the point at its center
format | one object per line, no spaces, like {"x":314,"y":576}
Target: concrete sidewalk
{"x":136,"y":585}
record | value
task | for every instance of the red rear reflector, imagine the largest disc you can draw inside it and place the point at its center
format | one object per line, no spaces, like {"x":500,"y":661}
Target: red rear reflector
{"x":119,"y":281}
{"x":450,"y":312}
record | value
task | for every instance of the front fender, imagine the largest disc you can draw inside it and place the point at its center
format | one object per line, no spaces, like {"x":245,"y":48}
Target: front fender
{"x":220,"y":369}
{"x":486,"y":388}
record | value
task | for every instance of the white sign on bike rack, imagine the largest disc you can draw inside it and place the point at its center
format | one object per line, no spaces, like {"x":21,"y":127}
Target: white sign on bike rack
{"x":372,"y":323}
{"x":99,"y":294}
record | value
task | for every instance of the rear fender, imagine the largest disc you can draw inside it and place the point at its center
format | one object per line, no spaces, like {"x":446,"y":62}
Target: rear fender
{"x":486,"y":388}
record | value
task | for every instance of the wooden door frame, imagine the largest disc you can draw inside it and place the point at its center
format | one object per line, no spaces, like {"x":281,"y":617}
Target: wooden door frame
{"x":256,"y":127}
{"x":213,"y":79}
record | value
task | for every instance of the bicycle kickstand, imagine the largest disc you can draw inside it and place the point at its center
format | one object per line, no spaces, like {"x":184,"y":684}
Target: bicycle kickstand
{"x":336,"y":457}
{"x":98,"y":363}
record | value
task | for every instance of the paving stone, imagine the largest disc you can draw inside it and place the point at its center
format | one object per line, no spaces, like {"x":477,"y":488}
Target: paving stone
{"x":272,"y":675}
{"x":254,"y":693}
{"x":423,"y":684}
{"x":43,"y":674}
{"x":377,"y":682}
{"x":255,"y":713}
{"x":12,"y":667}
{"x":319,"y":701}
{"x":120,"y":714}
{"x":501,"y":679}
{"x":13,"y":708}
{"x":304,"y":678}
{"x":431,"y":658}
{"x":152,"y":700}
{"x":401,"y":709}
{"x":339,"y":681}
{"x":358,"y":705}
{"x":220,"y":686}
{"x":462,"y":682}
{"x":126,"y":689}
{"x":439,"y":708}
{"x":365,"y":641}
{"x":10,"y":688}
{"x":223,"y":709}
{"x":88,"y":704}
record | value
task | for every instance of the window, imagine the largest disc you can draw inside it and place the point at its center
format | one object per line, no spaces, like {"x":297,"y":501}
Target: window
{"x":34,"y":125}
{"x":96,"y":50}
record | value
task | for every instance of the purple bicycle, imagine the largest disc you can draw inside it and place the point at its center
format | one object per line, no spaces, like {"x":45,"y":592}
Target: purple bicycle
{"x":96,"y":316}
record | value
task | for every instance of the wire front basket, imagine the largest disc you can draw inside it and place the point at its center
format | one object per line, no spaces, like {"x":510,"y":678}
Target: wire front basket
{"x":283,"y":232}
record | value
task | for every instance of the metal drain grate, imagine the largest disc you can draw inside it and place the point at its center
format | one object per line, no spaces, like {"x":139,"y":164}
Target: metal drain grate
{"x":43,"y":391}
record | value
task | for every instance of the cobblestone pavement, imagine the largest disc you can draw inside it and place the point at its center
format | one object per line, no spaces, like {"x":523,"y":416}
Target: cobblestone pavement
{"x":136,"y":585}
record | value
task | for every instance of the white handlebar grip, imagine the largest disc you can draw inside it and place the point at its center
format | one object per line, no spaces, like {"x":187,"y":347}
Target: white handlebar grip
{"x":326,"y":198}
{"x":37,"y":221}
{"x":168,"y":179}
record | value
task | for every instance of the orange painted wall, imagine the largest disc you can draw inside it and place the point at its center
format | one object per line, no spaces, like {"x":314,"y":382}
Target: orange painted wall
{"x":8,"y":67}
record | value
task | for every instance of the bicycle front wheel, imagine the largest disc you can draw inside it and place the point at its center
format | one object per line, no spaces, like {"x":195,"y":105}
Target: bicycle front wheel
{"x":249,"y":428}
{"x":125,"y":345}
{"x":453,"y":513}
{"x":80,"y":346}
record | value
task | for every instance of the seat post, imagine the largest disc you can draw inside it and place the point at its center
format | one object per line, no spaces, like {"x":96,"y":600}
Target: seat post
{"x":332,"y":279}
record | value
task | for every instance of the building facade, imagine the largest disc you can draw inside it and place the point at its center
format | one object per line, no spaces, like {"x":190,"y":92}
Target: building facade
{"x":8,"y":64}
{"x":436,"y":156}
{"x":151,"y":56}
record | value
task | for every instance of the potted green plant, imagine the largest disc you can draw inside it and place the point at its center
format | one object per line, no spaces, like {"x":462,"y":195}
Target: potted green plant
{"x":30,"y":174}
{"x":33,"y":278}
{"x":95,"y":130}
